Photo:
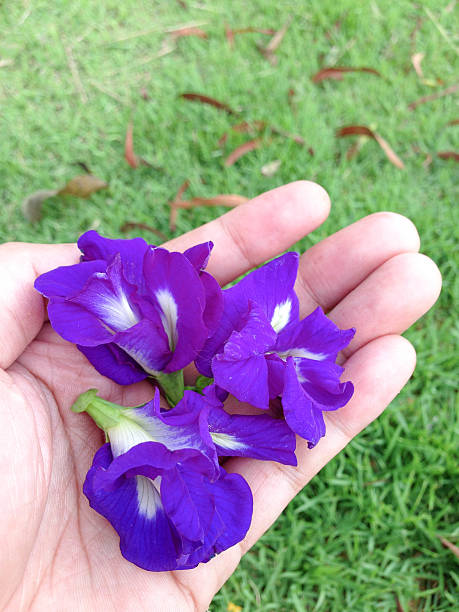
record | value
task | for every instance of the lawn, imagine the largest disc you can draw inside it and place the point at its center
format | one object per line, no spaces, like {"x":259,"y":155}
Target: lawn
{"x":364,"y":534}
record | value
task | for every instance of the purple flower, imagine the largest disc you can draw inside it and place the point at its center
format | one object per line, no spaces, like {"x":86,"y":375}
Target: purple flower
{"x":159,"y":484}
{"x":168,"y":514}
{"x":261,"y":350}
{"x":133,"y":309}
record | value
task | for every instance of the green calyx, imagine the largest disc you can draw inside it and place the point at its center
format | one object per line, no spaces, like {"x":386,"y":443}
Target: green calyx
{"x":105,"y":414}
{"x":201,"y":383}
{"x":172,"y":385}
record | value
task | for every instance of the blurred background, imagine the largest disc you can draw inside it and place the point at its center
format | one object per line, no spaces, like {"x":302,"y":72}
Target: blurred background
{"x":112,"y":111}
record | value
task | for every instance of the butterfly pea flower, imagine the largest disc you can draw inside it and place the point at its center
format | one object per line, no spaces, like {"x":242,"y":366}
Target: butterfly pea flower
{"x":262,"y":350}
{"x":133,"y":309}
{"x":159,"y":484}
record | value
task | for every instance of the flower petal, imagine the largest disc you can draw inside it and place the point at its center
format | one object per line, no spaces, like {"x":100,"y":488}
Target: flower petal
{"x":108,"y":296}
{"x":259,"y":436}
{"x":177,"y":292}
{"x":75,"y":324}
{"x":241,"y":369}
{"x":199,"y":255}
{"x":183,"y":427}
{"x":302,"y":416}
{"x":315,"y":337}
{"x":233,"y":514}
{"x":132,"y":252}
{"x":276,"y":367}
{"x":271,"y":288}
{"x":133,"y":506}
{"x":147,"y":344}
{"x":188,"y":503}
{"x":109,"y":360}
{"x":232,"y":318}
{"x":214,"y":302}
{"x":320,"y":380}
{"x":67,"y":281}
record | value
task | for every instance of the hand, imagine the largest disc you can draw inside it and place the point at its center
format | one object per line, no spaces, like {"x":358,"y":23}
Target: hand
{"x":55,"y":550}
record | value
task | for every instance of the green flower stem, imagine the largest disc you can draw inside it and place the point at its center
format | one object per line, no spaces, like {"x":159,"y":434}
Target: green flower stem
{"x":172,"y":385}
{"x":105,"y":414}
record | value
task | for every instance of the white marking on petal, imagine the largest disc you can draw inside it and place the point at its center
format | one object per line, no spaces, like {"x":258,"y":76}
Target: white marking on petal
{"x":301,"y":379}
{"x":126,"y":435}
{"x":281,"y":315}
{"x":148,"y":495}
{"x":302,"y":353}
{"x":115,"y":309}
{"x":169,"y":315}
{"x":227,"y":441}
{"x":135,"y":428}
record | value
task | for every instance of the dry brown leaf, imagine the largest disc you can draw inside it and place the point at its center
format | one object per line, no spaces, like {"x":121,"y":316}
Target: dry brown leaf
{"x":363,"y":130}
{"x":190,"y":31}
{"x":83,"y":186}
{"x":428,"y":160}
{"x":173,"y":209}
{"x":258,"y":126}
{"x":31,"y":207}
{"x":230,"y":33}
{"x":440,"y":94}
{"x":226,"y":199}
{"x":271,"y":167}
{"x":271,"y":48}
{"x":80,"y":186}
{"x":452,"y":547}
{"x":448,"y":155}
{"x":278,"y":37}
{"x":245,"y":126}
{"x":243,"y":149}
{"x":336,"y":72}
{"x":138,"y":225}
{"x":222,"y":140}
{"x":183,"y":187}
{"x":129,"y":154}
{"x":229,"y":199}
{"x":416,"y":60}
{"x":398,"y":605}
{"x":195,"y":97}
{"x":298,"y":139}
{"x":229,"y":36}
{"x":453,"y":122}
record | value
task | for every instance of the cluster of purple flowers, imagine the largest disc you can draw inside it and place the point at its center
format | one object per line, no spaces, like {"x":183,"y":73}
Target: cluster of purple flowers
{"x":137,"y":311}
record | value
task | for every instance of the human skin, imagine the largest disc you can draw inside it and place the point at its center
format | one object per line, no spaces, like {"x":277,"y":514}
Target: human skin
{"x":56,"y":552}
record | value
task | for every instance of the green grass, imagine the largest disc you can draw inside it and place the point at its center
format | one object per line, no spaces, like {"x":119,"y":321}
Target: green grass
{"x":366,"y":529}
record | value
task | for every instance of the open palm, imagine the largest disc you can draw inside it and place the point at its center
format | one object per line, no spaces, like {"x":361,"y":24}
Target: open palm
{"x":56,"y":552}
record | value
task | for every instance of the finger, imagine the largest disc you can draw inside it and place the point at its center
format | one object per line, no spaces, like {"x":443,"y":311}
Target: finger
{"x":260,"y":229}
{"x":335,"y":266}
{"x":390,"y":300}
{"x":379,"y":370}
{"x":22,"y":309}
